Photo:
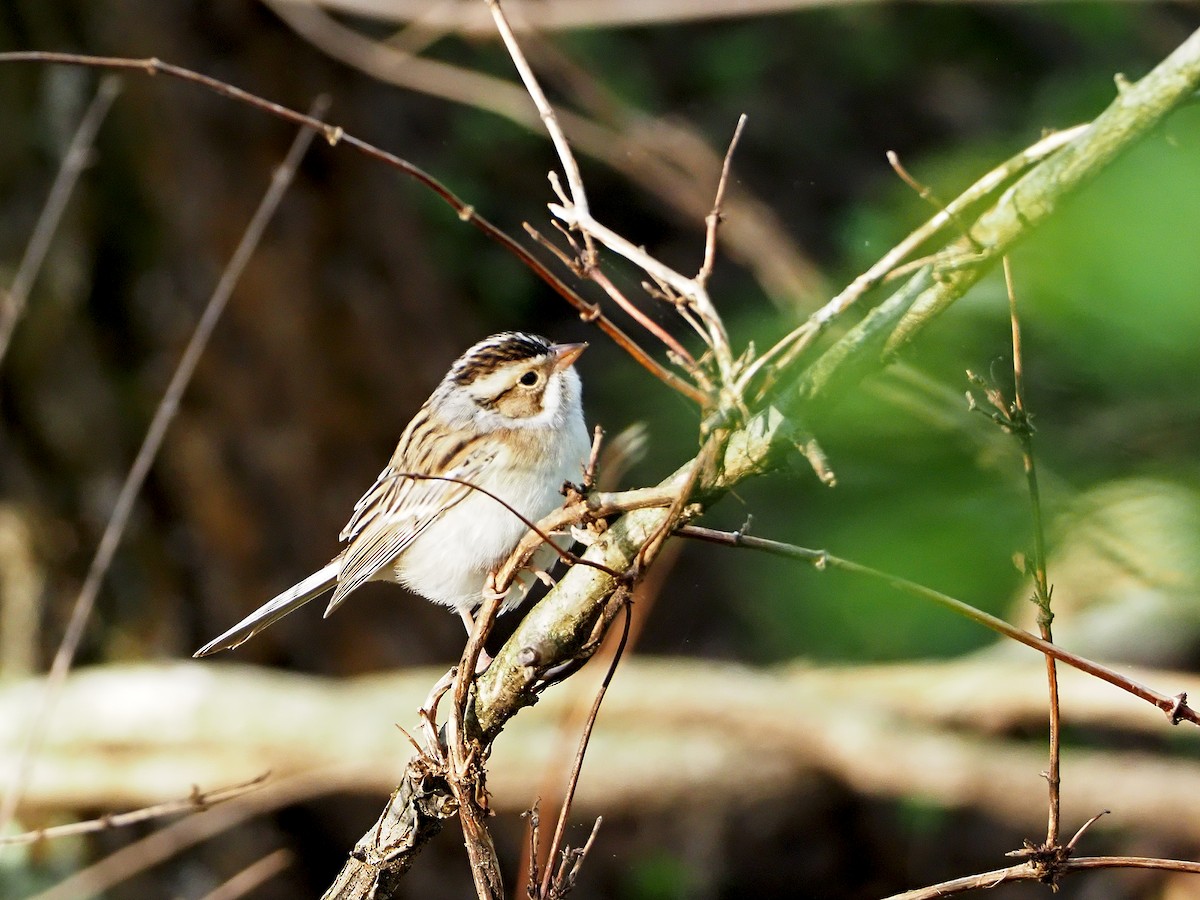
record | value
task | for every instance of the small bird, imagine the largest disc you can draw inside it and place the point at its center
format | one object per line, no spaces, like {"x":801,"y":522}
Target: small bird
{"x":507,"y":418}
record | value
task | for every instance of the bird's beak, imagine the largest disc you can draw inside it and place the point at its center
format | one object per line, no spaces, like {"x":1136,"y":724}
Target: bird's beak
{"x":565,"y":354}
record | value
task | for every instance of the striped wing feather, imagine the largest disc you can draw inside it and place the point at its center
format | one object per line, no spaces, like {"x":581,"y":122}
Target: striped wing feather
{"x":397,"y":508}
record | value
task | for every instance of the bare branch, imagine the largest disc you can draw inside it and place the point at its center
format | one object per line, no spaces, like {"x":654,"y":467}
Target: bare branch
{"x":1176,"y":710}
{"x":574,"y":179}
{"x":1021,"y":427}
{"x":334,"y":134}
{"x":197,"y":801}
{"x":466,"y":18}
{"x":713,"y":220}
{"x":1031,"y":871}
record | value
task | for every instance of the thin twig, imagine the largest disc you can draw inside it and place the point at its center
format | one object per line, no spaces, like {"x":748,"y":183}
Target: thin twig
{"x":664,"y":158}
{"x":688,"y":288}
{"x":334,"y":134}
{"x":925,"y":192}
{"x":572,"y":863}
{"x":543,"y":536}
{"x":570,"y":166}
{"x":466,"y":773}
{"x":596,"y":505}
{"x":596,"y":274}
{"x":535,"y":827}
{"x":1083,"y":829}
{"x":196,"y":801}
{"x":1175,"y":708}
{"x":713,"y":220}
{"x":569,"y":796}
{"x":74,"y":161}
{"x":575,"y":210}
{"x":166,"y":842}
{"x":1022,"y":430}
{"x":163,"y":416}
{"x":1030,"y":871}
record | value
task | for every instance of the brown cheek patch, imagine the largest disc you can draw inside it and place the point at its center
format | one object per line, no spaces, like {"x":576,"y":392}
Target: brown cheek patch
{"x":519,"y":404}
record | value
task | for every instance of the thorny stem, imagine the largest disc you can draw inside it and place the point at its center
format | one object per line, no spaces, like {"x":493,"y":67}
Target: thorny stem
{"x":1175,"y":708}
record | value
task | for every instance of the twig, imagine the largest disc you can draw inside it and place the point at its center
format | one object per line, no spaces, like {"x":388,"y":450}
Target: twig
{"x":469,"y":21}
{"x":572,"y":862}
{"x":925,"y":192}
{"x":197,"y":801}
{"x":575,"y":211}
{"x":251,"y":877}
{"x":166,"y":842}
{"x":1030,"y":871}
{"x":574,"y":179}
{"x":466,"y":772}
{"x":1175,"y":708}
{"x":334,"y":134}
{"x":1023,"y":432}
{"x":1083,"y":829}
{"x":548,"y":877}
{"x":713,"y":220}
{"x":542,"y":536}
{"x":163,"y":416}
{"x":688,"y":288}
{"x":596,"y":505}
{"x":664,"y":158}
{"x":76,"y":158}
{"x":598,"y":276}
{"x":531,"y":872}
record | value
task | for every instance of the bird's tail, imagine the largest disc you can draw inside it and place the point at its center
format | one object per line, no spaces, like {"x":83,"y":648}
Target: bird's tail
{"x":293,"y":598}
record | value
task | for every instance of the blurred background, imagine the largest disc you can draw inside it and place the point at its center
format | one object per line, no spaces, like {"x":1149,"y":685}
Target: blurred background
{"x":365,"y":288}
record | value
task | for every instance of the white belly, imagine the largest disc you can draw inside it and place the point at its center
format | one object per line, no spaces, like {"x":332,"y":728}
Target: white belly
{"x":450,"y":560}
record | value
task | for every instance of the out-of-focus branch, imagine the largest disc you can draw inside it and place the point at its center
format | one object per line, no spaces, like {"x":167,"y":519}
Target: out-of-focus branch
{"x":467,"y":18}
{"x":196,"y":801}
{"x":12,"y":301}
{"x":874,"y":728}
{"x":164,"y":414}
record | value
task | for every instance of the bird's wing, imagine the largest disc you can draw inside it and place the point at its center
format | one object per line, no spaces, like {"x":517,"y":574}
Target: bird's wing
{"x":395,"y":510}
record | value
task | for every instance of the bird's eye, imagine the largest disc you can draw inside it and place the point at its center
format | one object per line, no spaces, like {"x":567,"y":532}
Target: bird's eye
{"x":529,"y":379}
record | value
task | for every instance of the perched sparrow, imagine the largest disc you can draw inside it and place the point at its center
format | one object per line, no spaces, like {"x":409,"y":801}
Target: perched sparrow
{"x":508,"y":418}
